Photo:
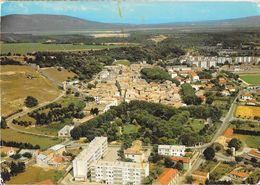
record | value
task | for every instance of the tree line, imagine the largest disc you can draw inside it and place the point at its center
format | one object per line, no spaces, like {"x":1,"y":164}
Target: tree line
{"x":19,"y":145}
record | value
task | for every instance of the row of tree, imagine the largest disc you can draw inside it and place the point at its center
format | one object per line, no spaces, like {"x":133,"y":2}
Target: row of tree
{"x":18,"y":144}
{"x":14,"y":169}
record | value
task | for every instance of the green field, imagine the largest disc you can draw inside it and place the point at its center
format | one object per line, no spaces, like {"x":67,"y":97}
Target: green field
{"x":196,"y":124}
{"x":128,"y":129}
{"x":253,"y":79}
{"x":250,"y":141}
{"x":44,"y":142}
{"x":122,"y":62}
{"x":24,"y":48}
{"x":36,"y":175}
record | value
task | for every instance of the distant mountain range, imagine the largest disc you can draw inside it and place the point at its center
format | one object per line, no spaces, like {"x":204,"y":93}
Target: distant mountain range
{"x":17,"y":23}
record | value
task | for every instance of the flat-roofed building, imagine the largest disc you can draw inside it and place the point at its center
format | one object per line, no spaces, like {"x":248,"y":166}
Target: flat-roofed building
{"x":171,"y":150}
{"x":81,"y":164}
{"x":135,"y":152}
{"x":117,"y":172}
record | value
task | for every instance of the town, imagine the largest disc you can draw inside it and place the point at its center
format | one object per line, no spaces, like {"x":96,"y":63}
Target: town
{"x":131,"y":106}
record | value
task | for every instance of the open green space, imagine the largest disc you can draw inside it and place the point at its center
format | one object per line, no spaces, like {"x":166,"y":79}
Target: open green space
{"x":23,"y":48}
{"x":130,"y":128}
{"x":249,"y":141}
{"x":208,"y":166}
{"x":196,"y":124}
{"x":123,"y":62}
{"x":220,"y":171}
{"x":253,"y":79}
{"x":43,"y":142}
{"x":35,"y":175}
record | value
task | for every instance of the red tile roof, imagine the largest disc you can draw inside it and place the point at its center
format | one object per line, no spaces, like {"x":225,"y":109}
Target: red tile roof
{"x":183,"y":159}
{"x":228,"y":132}
{"x":167,"y":176}
{"x":239,"y":174}
{"x":254,"y":153}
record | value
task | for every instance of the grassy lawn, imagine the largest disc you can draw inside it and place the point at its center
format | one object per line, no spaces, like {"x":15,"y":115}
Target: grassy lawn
{"x":44,"y":142}
{"x":35,"y":175}
{"x":208,"y":166}
{"x":196,"y":124}
{"x":128,"y":129}
{"x":247,"y":125}
{"x":250,"y":141}
{"x":221,"y":170}
{"x":24,"y":48}
{"x":123,"y":62}
{"x":59,"y":75}
{"x":18,"y":82}
{"x":253,"y":79}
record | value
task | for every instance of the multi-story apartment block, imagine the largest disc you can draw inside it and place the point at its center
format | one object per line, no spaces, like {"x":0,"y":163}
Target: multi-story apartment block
{"x":82,"y":163}
{"x":117,"y":172}
{"x":171,"y":150}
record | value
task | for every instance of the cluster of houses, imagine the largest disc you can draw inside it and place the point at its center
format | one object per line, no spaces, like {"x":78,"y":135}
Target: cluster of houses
{"x":178,"y":153}
{"x":53,"y":157}
{"x":118,"y":82}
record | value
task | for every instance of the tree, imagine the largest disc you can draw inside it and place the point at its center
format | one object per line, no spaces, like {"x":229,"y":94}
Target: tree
{"x":94,"y":111}
{"x":5,"y":175}
{"x":30,"y":101}
{"x":168,"y":163}
{"x":236,"y":143}
{"x":179,"y":165}
{"x":238,"y":159}
{"x":16,"y":156}
{"x":3,"y":123}
{"x":209,"y":153}
{"x":27,"y":155}
{"x":189,"y":179}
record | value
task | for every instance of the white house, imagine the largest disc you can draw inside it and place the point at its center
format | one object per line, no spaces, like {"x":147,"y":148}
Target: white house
{"x":246,"y":96}
{"x":135,"y":152}
{"x":65,"y":131}
{"x":171,"y":150}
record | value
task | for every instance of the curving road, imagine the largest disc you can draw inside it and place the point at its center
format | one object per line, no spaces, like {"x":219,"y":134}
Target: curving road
{"x":223,"y":127}
{"x":11,"y":118}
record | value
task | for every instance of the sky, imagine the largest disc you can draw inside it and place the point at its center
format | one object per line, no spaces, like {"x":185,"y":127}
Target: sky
{"x":137,"y":12}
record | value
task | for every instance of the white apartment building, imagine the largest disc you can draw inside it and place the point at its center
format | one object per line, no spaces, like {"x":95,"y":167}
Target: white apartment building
{"x":82,"y":163}
{"x":117,"y":172}
{"x":171,"y":150}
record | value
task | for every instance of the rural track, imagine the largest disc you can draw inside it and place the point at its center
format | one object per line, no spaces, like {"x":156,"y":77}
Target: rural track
{"x":11,"y":118}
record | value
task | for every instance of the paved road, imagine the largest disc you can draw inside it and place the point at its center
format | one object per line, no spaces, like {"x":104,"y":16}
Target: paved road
{"x":11,"y":118}
{"x":220,"y":131}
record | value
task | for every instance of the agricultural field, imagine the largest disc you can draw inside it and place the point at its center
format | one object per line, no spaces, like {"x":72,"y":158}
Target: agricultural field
{"x":247,"y":112}
{"x":249,"y":141}
{"x":36,"y":174}
{"x":252,"y":79}
{"x":18,"y":82}
{"x":23,"y":48}
{"x":59,"y":75}
{"x":43,"y":142}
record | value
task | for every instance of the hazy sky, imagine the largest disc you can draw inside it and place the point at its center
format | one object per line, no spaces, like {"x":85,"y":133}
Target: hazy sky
{"x":137,"y":12}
